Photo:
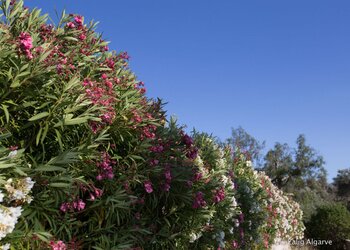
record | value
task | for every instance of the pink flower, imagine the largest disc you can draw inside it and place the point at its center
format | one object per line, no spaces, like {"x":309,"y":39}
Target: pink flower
{"x":154,"y":162}
{"x":104,"y":48}
{"x":98,"y":192}
{"x":70,"y":25}
{"x":199,"y":201}
{"x":187,"y":140}
{"x":79,"y":205}
{"x":234,"y":244}
{"x":219,"y":195}
{"x":197,"y":176}
{"x":148,"y":186}
{"x":157,"y":149}
{"x":92,"y":197}
{"x":78,"y":20}
{"x":59,"y":245}
{"x":82,"y":37}
{"x":167,"y":175}
{"x":26,"y":44}
{"x":65,"y":207}
{"x":192,"y":154}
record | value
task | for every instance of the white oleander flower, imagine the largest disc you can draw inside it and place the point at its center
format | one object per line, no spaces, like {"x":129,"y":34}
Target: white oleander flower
{"x":13,"y":153}
{"x":8,"y":219}
{"x":1,"y":196}
{"x":224,"y":179}
{"x":194,"y":236}
{"x":5,"y":247}
{"x":198,"y":161}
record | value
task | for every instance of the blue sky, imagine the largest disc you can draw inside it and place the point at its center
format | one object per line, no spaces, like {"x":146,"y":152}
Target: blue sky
{"x":276,"y":68}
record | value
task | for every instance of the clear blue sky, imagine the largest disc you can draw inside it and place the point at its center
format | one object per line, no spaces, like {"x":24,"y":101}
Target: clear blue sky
{"x":277,"y":68}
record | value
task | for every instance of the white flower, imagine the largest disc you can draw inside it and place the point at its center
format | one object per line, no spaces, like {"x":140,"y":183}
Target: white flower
{"x":1,"y":196}
{"x":19,"y":189}
{"x":8,"y":219}
{"x":234,"y":202}
{"x":194,"y":236}
{"x":198,"y":161}
{"x":224,"y":179}
{"x":249,"y":163}
{"x":12,"y":154}
{"x":5,"y":247}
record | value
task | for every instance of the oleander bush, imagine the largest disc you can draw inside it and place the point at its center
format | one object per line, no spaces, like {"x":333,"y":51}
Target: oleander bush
{"x":87,"y":161}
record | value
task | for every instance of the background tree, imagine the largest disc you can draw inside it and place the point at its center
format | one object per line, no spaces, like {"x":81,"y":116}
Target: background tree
{"x":342,"y":186}
{"x":278,"y":163}
{"x":247,"y":144}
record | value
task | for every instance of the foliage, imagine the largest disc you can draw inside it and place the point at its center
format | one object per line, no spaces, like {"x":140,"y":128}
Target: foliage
{"x":330,"y":222}
{"x":342,"y":185}
{"x":87,"y":161}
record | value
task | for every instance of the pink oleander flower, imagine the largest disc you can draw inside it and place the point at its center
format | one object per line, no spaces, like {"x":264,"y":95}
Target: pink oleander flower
{"x":187,"y":140}
{"x":199,"y":201}
{"x":92,"y":197}
{"x":154,"y":162}
{"x":219,"y":195}
{"x":192,"y":154}
{"x":234,"y":244}
{"x":65,"y":207}
{"x":70,"y":25}
{"x":167,"y":175}
{"x":157,"y":149}
{"x":82,"y":37}
{"x":104,"y":48}
{"x":148,"y":186}
{"x":78,"y":20}
{"x":79,"y":205}
{"x":26,"y":44}
{"x":98,"y":192}
{"x":197,"y":176}
{"x":59,"y":245}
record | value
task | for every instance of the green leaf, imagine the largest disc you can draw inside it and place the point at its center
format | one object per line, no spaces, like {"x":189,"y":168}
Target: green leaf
{"x":7,"y":115}
{"x":60,"y":185}
{"x":39,"y":116}
{"x":76,"y":121}
{"x":38,"y":136}
{"x":71,"y":83}
{"x":49,"y":169}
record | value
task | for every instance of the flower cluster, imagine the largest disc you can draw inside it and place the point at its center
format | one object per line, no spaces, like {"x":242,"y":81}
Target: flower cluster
{"x":26,"y":44}
{"x":148,"y":186}
{"x":8,"y":219}
{"x":19,"y":189}
{"x":59,"y":245}
{"x":199,"y":201}
{"x":76,"y":205}
{"x":219,"y":195}
{"x":105,"y":167}
{"x":167,"y":175}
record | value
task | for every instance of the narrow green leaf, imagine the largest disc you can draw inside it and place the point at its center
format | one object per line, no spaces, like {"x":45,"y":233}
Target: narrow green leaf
{"x":60,"y":185}
{"x":38,"y":136}
{"x":39,"y":116}
{"x":7,"y":115}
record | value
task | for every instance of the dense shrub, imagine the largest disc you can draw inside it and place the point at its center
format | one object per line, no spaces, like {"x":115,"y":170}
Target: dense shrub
{"x":330,"y":222}
{"x":87,"y":161}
